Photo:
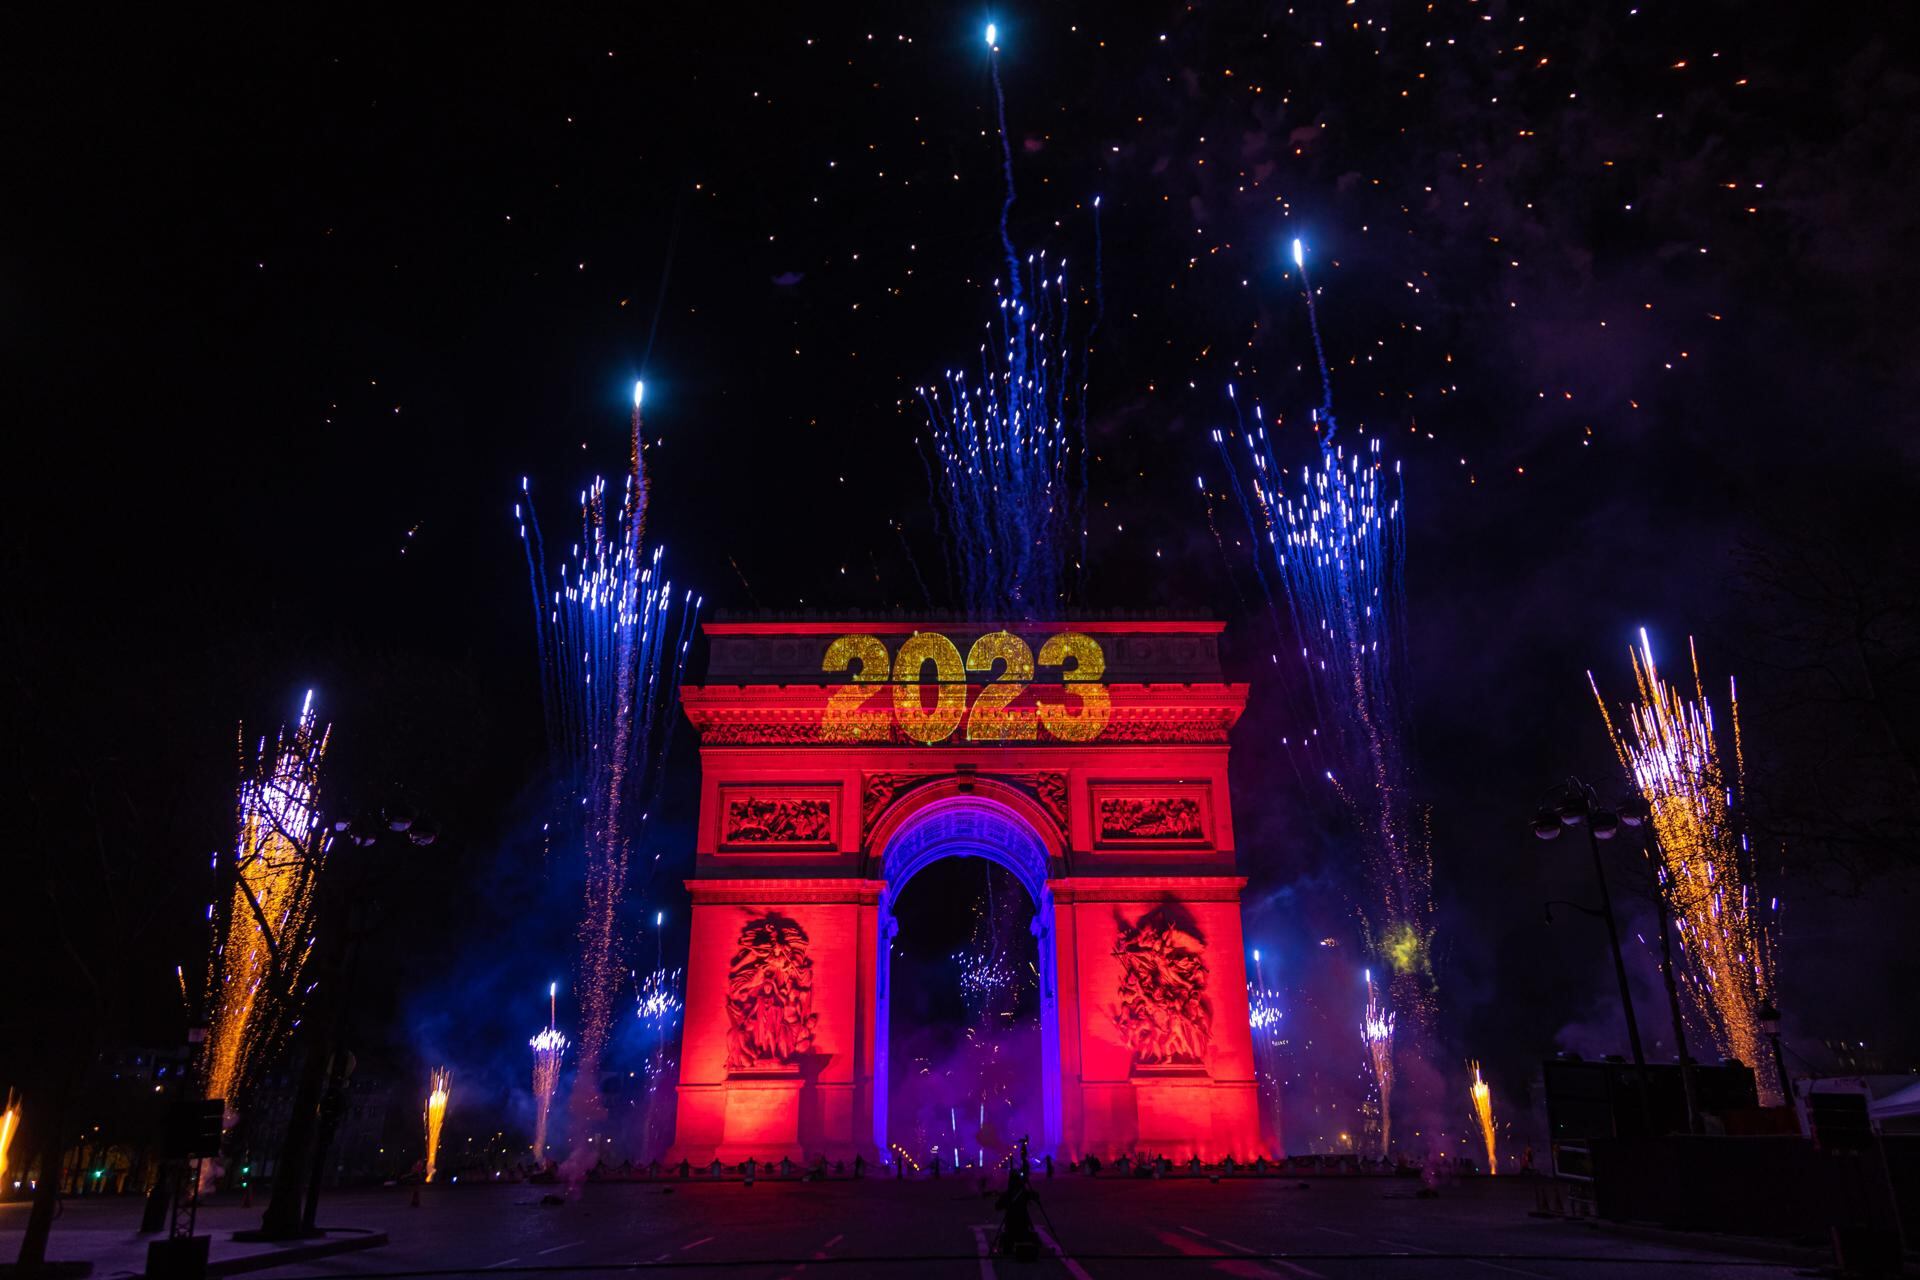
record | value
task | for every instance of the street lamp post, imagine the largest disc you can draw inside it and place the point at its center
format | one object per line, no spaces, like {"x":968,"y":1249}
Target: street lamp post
{"x":1578,"y":806}
{"x":1636,"y":812}
{"x":1769,"y":1019}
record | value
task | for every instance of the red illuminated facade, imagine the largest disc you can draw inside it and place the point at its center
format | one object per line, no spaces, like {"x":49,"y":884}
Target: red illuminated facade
{"x":1110,"y":806}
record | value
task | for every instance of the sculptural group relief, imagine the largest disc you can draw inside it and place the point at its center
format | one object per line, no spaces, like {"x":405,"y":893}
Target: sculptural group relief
{"x":769,"y":995}
{"x":1163,"y":1013}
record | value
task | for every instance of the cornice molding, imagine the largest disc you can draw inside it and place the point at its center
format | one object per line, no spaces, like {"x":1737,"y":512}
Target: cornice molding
{"x":1146,"y":888}
{"x":757,"y":892}
{"x":792,"y":715}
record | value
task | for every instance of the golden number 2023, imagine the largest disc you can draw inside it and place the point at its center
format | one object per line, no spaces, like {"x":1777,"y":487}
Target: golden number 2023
{"x":1078,"y":716}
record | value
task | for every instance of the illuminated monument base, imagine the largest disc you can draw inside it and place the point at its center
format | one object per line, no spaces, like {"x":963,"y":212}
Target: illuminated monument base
{"x":1122,"y":838}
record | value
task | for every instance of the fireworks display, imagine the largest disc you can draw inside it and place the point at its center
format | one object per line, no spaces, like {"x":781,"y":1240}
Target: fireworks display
{"x":440,"y":1088}
{"x":549,"y":1049}
{"x":1005,"y":439}
{"x":1670,"y":747}
{"x":611,"y":655}
{"x":1482,"y":1098}
{"x":1333,"y":534}
{"x":1376,"y":1029}
{"x":265,"y":938}
{"x":1577,"y":291}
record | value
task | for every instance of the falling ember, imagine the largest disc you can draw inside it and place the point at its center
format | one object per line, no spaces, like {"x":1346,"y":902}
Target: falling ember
{"x":1376,"y":1028}
{"x":611,"y":656}
{"x":1263,"y":1011}
{"x":1670,"y":748}
{"x":657,"y":997}
{"x":1483,"y":1114}
{"x":549,"y":1047}
{"x":436,"y":1114}
{"x":265,"y":938}
{"x":9,"y":1125}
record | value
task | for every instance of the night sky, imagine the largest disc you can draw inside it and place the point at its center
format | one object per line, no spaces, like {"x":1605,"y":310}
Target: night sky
{"x":291,"y":309}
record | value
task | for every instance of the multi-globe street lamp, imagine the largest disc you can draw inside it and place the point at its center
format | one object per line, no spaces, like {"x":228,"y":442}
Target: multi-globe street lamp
{"x":1577,"y":805}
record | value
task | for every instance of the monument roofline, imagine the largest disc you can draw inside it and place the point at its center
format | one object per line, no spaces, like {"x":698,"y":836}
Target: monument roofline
{"x":907,"y":625}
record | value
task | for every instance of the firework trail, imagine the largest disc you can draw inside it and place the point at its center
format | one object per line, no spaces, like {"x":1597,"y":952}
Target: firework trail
{"x":1333,"y":534}
{"x":549,"y":1049}
{"x":1482,"y":1098}
{"x":9,"y":1125}
{"x":612,"y":656}
{"x":1670,"y":748}
{"x":1010,"y":486}
{"x":1006,"y":160}
{"x":265,"y":939}
{"x":1376,"y":1029}
{"x":440,"y":1089}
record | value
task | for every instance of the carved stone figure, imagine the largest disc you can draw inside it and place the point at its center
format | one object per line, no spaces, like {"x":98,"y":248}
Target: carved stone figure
{"x":1151,"y":818}
{"x":779,"y":820}
{"x":1163,"y":1012}
{"x":1050,"y":789}
{"x":877,"y":791}
{"x":769,"y":995}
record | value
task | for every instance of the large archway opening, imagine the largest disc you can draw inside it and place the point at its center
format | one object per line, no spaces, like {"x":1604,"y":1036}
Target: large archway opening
{"x":964,"y":1069}
{"x":967,"y":1053}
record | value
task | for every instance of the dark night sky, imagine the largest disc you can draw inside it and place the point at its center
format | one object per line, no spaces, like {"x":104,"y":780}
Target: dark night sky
{"x":291,"y":308}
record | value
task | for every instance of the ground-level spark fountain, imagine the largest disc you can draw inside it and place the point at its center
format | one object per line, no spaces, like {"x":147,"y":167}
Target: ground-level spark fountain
{"x":440,"y":1089}
{"x":549,"y":1049}
{"x":1482,"y":1098}
{"x":1703,"y":859}
{"x":9,"y":1125}
{"x":1264,"y":1020}
{"x":658,"y":1004}
{"x":1376,"y":1030}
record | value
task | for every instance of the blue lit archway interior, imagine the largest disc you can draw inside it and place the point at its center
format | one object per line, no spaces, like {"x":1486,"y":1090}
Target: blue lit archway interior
{"x":963,"y":827}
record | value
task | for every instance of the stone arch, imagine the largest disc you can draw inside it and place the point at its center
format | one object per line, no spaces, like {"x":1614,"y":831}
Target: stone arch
{"x":913,"y":806}
{"x":987,"y":820}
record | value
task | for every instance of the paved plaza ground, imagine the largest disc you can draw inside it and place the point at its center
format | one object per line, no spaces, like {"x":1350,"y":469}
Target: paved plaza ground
{"x":1102,"y":1229}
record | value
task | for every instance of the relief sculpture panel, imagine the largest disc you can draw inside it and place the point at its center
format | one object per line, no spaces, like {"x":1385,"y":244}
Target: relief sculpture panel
{"x":769,"y":995}
{"x":771,"y":820}
{"x":1131,"y":816}
{"x":1164,"y":1013}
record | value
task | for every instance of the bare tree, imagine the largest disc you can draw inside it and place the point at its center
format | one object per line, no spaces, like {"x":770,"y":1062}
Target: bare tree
{"x":1833,"y":689}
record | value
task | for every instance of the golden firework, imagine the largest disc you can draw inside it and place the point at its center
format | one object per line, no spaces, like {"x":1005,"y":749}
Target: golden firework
{"x":1701,"y":855}
{"x":266,"y":937}
{"x":441,"y":1088}
{"x":1482,"y":1098}
{"x":9,"y":1125}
